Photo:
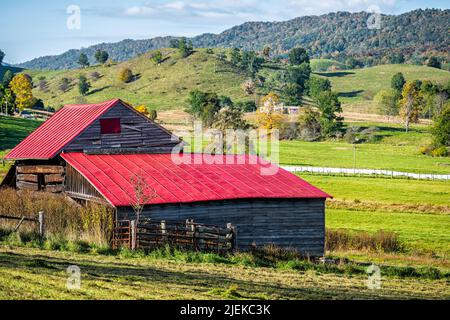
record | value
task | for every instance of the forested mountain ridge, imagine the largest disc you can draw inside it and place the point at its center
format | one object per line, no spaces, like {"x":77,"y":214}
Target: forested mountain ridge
{"x":414,"y":35}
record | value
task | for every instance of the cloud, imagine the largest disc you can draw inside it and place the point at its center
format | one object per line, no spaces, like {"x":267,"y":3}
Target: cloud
{"x":224,"y":10}
{"x":305,"y":7}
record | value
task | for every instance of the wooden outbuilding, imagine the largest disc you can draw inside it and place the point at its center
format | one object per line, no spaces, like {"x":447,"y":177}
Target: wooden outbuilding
{"x":93,"y":152}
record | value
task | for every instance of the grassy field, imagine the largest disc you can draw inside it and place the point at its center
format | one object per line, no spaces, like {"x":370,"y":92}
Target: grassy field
{"x":395,"y":150}
{"x":12,"y":131}
{"x":362,"y":84}
{"x":384,"y":190}
{"x":418,"y":211}
{"x":321,"y":65}
{"x":418,"y":231}
{"x":39,"y":274}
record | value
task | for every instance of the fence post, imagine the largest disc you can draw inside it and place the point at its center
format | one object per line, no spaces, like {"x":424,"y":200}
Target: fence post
{"x":133,"y":235}
{"x":163,"y":231}
{"x":41,"y":225}
{"x":234,"y":245}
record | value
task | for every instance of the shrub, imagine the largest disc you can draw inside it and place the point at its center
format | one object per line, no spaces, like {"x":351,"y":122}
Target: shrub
{"x":439,"y":152}
{"x":125,"y":75}
{"x":152,"y":115}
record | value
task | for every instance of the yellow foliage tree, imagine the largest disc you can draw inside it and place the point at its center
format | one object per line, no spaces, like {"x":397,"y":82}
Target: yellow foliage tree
{"x":270,"y":101}
{"x":266,"y":116}
{"x":125,"y":75}
{"x":411,"y":103}
{"x":142,"y":109}
{"x":22,"y":87}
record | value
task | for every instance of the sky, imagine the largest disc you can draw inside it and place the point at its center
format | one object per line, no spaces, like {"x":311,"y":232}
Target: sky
{"x":34,"y":28}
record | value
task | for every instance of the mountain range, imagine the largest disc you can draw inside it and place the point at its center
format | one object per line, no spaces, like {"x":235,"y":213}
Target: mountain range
{"x":415,"y":35}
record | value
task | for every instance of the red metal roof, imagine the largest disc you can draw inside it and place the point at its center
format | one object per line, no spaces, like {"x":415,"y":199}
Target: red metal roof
{"x":51,"y":137}
{"x":187,"y":183}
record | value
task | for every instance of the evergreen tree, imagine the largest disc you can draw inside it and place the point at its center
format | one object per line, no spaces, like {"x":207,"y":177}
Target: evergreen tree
{"x":83,"y":60}
{"x":83,"y":85}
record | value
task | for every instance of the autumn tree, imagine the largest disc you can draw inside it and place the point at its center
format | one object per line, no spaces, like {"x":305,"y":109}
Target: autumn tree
{"x":142,"y":109}
{"x":101,"y":56}
{"x":411,"y":103}
{"x":248,"y":87}
{"x":267,"y":117}
{"x":125,"y":75}
{"x":22,"y":86}
{"x":83,"y":60}
{"x":83,"y":85}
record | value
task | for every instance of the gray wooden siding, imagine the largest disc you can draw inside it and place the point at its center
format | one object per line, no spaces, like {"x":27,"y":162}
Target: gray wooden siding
{"x":292,"y":223}
{"x":136,"y":132}
{"x":77,"y":187}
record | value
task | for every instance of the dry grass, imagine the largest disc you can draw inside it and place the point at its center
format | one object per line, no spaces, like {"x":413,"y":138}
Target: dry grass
{"x":388,"y":207}
{"x":381,"y":241}
{"x":63,"y":217}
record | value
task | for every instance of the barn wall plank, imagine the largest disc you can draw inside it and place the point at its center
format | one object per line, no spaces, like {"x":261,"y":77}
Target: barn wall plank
{"x":294,"y":223}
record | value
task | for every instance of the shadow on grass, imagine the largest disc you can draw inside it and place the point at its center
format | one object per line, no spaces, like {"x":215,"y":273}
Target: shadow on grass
{"x":335,"y":74}
{"x":124,"y":274}
{"x":350,"y":94}
{"x":98,"y":90}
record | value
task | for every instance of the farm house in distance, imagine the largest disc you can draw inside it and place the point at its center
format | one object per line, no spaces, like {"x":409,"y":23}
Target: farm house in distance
{"x":90,"y":152}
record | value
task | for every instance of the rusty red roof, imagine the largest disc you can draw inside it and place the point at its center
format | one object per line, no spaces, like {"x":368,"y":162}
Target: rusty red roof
{"x":187,"y":182}
{"x":51,"y":137}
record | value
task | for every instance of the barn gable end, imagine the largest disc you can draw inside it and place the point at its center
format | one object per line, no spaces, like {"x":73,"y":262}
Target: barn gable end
{"x":136,"y":131}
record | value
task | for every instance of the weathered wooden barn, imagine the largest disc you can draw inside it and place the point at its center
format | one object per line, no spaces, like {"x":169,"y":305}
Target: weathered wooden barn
{"x":91,"y":152}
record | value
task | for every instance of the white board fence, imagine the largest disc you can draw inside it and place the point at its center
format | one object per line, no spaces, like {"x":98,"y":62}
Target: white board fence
{"x":374,"y":172}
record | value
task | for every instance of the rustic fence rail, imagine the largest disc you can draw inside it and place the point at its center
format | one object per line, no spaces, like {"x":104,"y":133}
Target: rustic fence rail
{"x":39,"y":221}
{"x":368,"y":172}
{"x":150,"y":234}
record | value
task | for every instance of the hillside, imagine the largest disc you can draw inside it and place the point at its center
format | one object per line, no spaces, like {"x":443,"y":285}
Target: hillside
{"x":359,"y":85}
{"x":163,"y":87}
{"x":166,"y":86}
{"x":339,"y":34}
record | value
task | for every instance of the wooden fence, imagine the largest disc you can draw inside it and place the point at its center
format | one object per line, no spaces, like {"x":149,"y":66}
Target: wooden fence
{"x":150,"y":234}
{"x":368,"y":172}
{"x":39,"y":221}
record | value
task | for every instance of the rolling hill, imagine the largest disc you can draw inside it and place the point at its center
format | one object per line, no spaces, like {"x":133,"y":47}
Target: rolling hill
{"x":415,"y":34}
{"x":166,"y":86}
{"x":162,"y":87}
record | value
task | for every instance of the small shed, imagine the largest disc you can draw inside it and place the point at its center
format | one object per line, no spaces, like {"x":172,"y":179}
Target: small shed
{"x":91,"y":153}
